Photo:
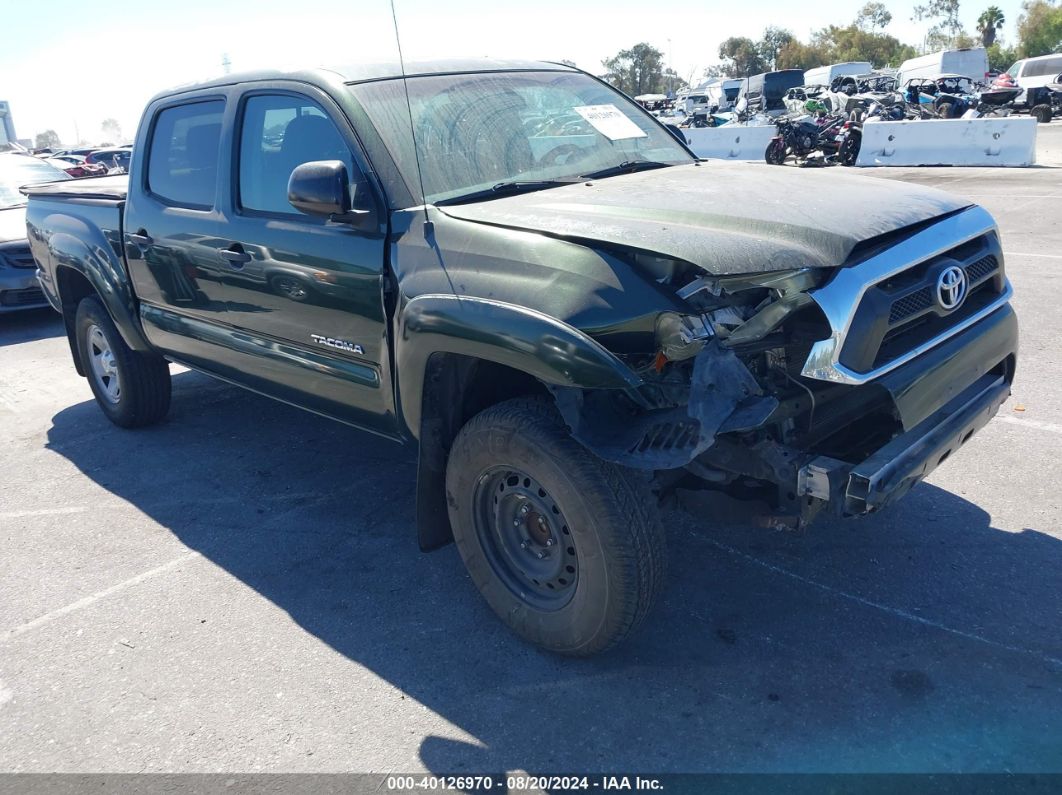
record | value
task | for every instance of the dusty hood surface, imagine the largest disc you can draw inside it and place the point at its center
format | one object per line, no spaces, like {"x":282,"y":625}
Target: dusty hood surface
{"x":724,"y":217}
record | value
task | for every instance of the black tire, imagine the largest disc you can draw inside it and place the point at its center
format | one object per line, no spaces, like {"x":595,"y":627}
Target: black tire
{"x":1042,"y":113}
{"x":946,"y":110}
{"x":140,"y":395}
{"x":775,"y":153}
{"x":598,"y":519}
{"x":849,"y":151}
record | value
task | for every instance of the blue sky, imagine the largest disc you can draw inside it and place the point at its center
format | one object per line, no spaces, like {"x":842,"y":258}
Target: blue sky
{"x":75,"y":64}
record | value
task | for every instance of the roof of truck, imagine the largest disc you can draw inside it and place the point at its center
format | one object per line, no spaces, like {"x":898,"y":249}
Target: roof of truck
{"x":366,"y":72}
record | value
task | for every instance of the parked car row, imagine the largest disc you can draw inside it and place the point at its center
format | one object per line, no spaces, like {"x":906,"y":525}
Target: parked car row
{"x":19,"y":288}
{"x":89,"y":162}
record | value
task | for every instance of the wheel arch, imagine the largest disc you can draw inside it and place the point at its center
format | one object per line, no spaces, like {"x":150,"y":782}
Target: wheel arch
{"x":458,"y":356}
{"x":87,"y":268}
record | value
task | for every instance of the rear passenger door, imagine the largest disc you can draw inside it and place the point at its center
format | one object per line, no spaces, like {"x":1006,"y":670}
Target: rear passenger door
{"x":171,"y":227}
{"x":306,"y":291}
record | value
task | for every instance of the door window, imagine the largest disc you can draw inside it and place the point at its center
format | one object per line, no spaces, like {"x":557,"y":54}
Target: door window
{"x":280,"y":132}
{"x":183,"y":157}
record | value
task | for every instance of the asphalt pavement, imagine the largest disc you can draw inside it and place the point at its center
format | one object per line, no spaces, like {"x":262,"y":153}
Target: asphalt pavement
{"x":239,"y":589}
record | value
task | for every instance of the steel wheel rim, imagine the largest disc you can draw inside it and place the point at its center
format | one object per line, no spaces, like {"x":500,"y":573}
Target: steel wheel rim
{"x":103,"y":364}
{"x":525,"y":538}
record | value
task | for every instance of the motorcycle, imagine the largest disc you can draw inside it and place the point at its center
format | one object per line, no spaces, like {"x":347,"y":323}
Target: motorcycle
{"x":801,"y":137}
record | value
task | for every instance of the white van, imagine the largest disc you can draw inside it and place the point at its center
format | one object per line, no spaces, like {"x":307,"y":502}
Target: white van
{"x":724,"y":94}
{"x":1034,"y":73}
{"x":824,"y":75}
{"x":971,"y":62}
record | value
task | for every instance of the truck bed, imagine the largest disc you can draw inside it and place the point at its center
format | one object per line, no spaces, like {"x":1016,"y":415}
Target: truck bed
{"x":115,"y":188}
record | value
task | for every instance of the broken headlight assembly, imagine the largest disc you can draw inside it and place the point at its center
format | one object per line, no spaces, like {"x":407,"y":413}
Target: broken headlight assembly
{"x":739,"y":310}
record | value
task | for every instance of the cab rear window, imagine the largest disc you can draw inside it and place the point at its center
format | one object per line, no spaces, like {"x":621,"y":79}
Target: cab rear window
{"x":182,"y":164}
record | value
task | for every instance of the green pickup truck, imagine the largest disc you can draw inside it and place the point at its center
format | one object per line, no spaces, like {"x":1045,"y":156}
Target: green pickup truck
{"x":516,"y":268}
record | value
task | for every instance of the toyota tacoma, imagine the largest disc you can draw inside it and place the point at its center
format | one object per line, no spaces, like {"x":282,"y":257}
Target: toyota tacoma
{"x":514,"y":267}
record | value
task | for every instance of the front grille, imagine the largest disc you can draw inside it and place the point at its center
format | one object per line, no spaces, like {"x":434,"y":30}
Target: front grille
{"x":982,"y":268}
{"x":901,"y":312}
{"x":30,"y":295}
{"x":18,"y":256}
{"x":922,"y":299}
{"x":912,"y":304}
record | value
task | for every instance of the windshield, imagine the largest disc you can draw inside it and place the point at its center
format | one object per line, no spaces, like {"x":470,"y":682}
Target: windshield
{"x":19,"y":170}
{"x":475,"y":131}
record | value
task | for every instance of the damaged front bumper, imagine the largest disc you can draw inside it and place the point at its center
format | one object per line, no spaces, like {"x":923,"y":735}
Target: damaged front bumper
{"x":728,"y":437}
{"x":888,"y":474}
{"x":943,"y":398}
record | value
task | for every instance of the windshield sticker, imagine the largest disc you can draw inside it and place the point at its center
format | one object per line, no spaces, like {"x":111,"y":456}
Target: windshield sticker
{"x":610,"y":122}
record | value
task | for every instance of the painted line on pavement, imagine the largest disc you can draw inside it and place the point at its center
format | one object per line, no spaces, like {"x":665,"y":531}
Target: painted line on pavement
{"x":90,"y":600}
{"x":1040,"y":426}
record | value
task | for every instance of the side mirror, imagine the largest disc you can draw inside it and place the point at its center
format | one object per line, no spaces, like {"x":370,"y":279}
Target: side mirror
{"x":322,"y":188}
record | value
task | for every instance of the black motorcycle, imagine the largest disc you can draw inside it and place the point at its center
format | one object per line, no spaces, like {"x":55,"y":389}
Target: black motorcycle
{"x":804,"y":136}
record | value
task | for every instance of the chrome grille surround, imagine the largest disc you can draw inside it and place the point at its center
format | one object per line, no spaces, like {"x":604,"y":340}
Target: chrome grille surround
{"x":840,"y":298}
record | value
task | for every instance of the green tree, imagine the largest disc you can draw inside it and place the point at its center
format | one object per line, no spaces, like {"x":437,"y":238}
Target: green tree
{"x":948,"y":26}
{"x":49,"y":139}
{"x":873,"y":15}
{"x":638,"y":70}
{"x":797,"y":55}
{"x":1039,"y":28}
{"x":990,"y":21}
{"x":741,"y":57}
{"x":112,"y":129}
{"x":1000,"y":57}
{"x":773,"y":41}
{"x":852,"y":43}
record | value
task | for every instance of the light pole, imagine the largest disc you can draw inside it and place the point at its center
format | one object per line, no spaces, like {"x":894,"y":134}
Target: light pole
{"x":670,"y":66}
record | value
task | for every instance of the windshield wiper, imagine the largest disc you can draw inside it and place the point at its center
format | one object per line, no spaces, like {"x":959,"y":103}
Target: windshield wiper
{"x":508,"y":188}
{"x":626,"y":167}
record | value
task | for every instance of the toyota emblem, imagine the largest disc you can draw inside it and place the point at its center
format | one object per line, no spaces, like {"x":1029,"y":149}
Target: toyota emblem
{"x":951,"y":288}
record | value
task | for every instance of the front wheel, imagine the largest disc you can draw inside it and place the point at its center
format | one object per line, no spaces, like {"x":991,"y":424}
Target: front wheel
{"x":775,"y":154}
{"x":132,"y":388}
{"x":567,"y":549}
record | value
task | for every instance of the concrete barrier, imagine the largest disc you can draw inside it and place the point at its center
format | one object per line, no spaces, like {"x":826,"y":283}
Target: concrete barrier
{"x":1009,"y":141}
{"x":730,"y":142}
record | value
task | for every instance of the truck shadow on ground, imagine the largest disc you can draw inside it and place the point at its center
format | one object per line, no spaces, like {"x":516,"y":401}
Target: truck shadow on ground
{"x":921,"y":639}
{"x":29,"y":326}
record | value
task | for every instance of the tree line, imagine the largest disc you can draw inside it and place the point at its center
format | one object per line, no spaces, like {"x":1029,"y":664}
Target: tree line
{"x":641,"y":69}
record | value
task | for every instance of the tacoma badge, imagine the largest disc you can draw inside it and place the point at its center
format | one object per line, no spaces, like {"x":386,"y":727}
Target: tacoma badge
{"x":342,"y":345}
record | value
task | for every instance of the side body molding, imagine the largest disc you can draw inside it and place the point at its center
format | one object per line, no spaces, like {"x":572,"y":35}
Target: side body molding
{"x":537,"y":344}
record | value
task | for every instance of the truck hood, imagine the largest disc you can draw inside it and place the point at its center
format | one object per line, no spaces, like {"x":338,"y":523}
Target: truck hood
{"x":723,"y":217}
{"x":12,"y":224}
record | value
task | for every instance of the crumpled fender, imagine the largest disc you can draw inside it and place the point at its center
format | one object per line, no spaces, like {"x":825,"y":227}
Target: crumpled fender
{"x":541,"y":346}
{"x":724,"y":396}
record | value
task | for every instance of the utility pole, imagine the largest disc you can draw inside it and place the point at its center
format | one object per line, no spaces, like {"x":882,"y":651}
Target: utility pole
{"x":226,"y":64}
{"x":670,"y":66}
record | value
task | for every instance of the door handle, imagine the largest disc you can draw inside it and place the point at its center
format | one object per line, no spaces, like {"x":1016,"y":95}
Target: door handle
{"x":235,"y":255}
{"x":142,"y":238}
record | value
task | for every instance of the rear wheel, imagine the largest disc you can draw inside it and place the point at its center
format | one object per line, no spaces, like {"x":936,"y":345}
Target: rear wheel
{"x":132,"y":388}
{"x":567,"y":549}
{"x":1042,"y":113}
{"x":946,"y":110}
{"x":849,"y":150}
